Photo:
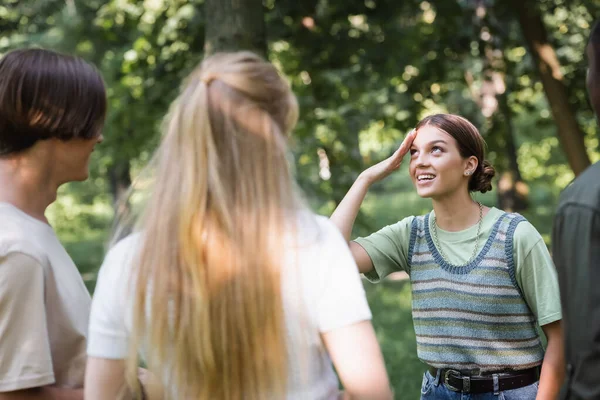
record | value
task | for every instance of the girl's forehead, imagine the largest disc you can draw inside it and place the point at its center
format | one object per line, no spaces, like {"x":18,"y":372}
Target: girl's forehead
{"x":428,"y":134}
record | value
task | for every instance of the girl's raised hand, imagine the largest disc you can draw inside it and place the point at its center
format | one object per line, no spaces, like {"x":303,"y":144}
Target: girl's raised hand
{"x":384,"y":168}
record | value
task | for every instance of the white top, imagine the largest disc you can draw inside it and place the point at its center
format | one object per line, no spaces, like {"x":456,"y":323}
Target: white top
{"x":326,"y":286}
{"x":44,"y":307}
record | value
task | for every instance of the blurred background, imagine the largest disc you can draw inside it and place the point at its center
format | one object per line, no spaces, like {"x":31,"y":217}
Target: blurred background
{"x":364,"y":71}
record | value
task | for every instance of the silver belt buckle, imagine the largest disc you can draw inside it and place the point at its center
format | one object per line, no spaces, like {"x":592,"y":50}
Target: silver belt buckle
{"x":465,"y":379}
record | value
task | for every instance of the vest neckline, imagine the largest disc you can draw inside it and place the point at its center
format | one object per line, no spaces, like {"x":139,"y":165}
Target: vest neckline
{"x":465,"y":268}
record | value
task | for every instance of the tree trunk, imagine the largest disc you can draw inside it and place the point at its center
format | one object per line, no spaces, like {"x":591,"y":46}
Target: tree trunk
{"x":120,"y":180}
{"x":569,"y":132}
{"x":233,"y":25}
{"x":493,"y":99}
{"x":513,"y":192}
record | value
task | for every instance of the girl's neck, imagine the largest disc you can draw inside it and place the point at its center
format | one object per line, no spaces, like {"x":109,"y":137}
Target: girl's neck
{"x":456,"y":212}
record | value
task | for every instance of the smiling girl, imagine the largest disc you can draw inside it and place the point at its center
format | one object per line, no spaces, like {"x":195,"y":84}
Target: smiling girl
{"x":481,"y":278}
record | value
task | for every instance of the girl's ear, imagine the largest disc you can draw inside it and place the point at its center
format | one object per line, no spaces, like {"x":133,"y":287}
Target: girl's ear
{"x":471,"y":164}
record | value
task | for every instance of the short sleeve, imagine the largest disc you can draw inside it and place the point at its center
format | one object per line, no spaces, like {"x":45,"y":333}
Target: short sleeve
{"x":25,"y":355}
{"x":108,"y":334}
{"x":536,"y":274}
{"x":388,"y":249}
{"x":342,"y":299}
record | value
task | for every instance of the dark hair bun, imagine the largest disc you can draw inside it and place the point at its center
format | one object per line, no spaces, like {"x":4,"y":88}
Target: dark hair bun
{"x":482,"y":179}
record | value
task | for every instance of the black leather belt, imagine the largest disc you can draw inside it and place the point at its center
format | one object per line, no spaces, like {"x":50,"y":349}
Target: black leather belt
{"x":459,"y":382}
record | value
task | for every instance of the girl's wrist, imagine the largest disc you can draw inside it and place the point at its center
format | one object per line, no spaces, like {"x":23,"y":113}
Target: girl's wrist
{"x":365,"y":179}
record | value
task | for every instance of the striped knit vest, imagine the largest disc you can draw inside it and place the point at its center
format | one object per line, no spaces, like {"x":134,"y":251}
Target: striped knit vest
{"x":471,"y":317}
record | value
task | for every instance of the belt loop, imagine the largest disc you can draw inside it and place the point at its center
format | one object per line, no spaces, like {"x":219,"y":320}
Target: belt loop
{"x":436,"y":382}
{"x":496,"y":385}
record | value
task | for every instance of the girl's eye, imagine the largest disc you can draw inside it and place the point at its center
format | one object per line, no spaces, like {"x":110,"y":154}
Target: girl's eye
{"x":436,"y":149}
{"x":412,"y":152}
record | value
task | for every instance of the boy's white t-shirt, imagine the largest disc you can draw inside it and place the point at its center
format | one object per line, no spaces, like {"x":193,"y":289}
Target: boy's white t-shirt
{"x":44,"y":307}
{"x":321,"y":280}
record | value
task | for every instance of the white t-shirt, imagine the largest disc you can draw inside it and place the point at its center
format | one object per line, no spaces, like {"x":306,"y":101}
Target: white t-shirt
{"x":326,"y":281}
{"x":44,"y":307}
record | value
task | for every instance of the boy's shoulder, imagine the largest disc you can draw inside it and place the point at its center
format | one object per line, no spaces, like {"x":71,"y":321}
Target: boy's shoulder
{"x":16,"y":236}
{"x":584,"y":190}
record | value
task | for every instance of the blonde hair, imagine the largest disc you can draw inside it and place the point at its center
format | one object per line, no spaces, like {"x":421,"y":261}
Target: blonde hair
{"x":208,"y":311}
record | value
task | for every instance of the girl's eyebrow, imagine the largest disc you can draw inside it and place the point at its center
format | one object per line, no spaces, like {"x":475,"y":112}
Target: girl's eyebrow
{"x":437,"y":141}
{"x":432,"y":142}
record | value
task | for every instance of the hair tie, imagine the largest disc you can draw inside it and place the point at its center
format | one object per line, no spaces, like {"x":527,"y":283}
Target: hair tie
{"x":207,"y":79}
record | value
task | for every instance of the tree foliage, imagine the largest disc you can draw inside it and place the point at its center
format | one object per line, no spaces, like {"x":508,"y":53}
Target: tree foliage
{"x":365,"y":71}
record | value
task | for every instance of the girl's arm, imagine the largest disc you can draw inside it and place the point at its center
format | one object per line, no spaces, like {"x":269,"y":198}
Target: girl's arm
{"x":553,"y":367}
{"x":362,"y":373}
{"x":345,"y":214}
{"x":105,"y":379}
{"x":343,"y":218}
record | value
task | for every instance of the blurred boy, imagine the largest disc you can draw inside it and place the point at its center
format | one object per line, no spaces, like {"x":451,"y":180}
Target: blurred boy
{"x":576,"y":252}
{"x":52,"y":110}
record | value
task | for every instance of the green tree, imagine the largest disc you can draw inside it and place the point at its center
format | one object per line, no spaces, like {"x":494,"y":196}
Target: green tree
{"x":549,"y":68}
{"x":235,"y":25}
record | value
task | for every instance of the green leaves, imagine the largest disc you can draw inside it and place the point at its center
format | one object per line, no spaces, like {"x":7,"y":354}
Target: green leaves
{"x":364,"y":73}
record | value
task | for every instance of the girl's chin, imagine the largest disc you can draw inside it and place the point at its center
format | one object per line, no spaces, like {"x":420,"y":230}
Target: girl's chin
{"x":426,"y":193}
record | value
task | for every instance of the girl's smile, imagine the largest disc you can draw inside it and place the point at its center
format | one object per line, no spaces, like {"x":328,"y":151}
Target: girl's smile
{"x":436,"y":166}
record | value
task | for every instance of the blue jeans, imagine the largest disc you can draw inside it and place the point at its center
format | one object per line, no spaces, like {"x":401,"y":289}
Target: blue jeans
{"x":434,"y":389}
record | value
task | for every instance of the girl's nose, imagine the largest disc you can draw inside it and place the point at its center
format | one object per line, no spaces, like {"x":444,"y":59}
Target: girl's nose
{"x":421,"y":159}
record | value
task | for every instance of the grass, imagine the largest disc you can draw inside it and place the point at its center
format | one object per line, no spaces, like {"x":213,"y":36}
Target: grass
{"x":87,"y":254}
{"x":390,"y":303}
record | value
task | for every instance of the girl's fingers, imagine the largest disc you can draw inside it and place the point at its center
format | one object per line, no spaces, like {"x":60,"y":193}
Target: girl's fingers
{"x":405,"y":145}
{"x":408,"y":140}
{"x":393,"y":163}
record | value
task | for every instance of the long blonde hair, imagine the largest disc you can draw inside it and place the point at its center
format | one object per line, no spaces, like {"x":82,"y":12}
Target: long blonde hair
{"x":208,"y":311}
